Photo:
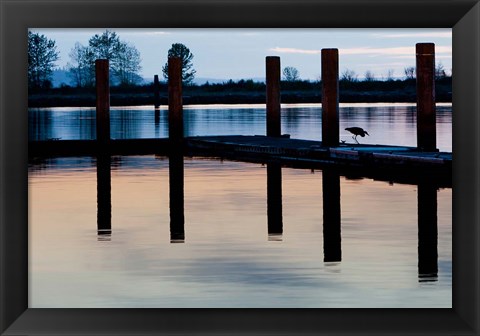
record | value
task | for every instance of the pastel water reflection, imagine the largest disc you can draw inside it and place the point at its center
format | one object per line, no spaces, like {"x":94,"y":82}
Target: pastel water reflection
{"x":104,"y":232}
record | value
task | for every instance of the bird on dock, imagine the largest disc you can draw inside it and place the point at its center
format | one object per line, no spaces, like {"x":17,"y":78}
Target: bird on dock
{"x":356,"y":131}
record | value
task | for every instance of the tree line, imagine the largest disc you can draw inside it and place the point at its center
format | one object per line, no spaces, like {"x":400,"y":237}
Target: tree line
{"x":125,"y":61}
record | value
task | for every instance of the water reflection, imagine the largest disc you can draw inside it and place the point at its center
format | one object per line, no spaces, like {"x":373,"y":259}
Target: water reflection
{"x":274,"y":201}
{"x":157,"y":122}
{"x":104,"y":197}
{"x":177,"y":210}
{"x":332,"y":241}
{"x":427,"y":232}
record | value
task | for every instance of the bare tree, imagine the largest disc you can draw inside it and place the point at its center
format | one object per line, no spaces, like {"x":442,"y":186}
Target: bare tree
{"x":124,"y":60}
{"x":82,"y":68}
{"x":369,"y":76}
{"x":390,"y":73}
{"x":42,"y":55}
{"x":409,"y":72}
{"x":291,"y":74}
{"x":349,"y":76}
{"x":440,"y":71}
{"x":127,"y":64}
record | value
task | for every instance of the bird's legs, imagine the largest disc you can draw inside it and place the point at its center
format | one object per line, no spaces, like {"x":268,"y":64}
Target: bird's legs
{"x":355,"y":138}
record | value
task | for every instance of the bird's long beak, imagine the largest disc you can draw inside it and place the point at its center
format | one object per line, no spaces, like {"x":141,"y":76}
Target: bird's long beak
{"x":367,"y":133}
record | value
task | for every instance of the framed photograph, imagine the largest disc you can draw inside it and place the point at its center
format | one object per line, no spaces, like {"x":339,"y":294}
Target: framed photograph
{"x":392,"y":257}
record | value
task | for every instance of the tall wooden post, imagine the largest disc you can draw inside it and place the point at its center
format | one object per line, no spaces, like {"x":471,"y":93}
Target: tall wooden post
{"x":103,"y":101}
{"x":330,"y":98}
{"x":175,"y":104}
{"x":176,"y":166}
{"x":156,"y":91}
{"x":273,"y":96}
{"x":426,"y":119}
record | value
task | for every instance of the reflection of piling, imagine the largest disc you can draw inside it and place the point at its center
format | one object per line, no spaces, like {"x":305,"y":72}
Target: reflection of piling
{"x":157,"y":118}
{"x":330,"y":124}
{"x":426,"y":120}
{"x":157,"y":123}
{"x":102,"y":101}
{"x":273,"y":96}
{"x":274,"y":201}
{"x":175,"y":108}
{"x":176,"y":176}
{"x":104,"y":198}
{"x":156,"y":92}
{"x":427,"y":232}
{"x":332,"y":240}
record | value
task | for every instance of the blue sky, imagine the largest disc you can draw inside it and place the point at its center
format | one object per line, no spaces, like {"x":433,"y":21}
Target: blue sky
{"x":240,"y":53}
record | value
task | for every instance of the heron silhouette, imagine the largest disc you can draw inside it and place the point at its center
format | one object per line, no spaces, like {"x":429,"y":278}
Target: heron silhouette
{"x":356,"y":131}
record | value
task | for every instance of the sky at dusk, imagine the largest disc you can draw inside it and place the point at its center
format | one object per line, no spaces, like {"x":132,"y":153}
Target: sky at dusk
{"x":224,"y":54}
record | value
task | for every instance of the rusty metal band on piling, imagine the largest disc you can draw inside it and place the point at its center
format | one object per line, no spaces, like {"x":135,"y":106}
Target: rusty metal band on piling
{"x":175,"y":104}
{"x":330,"y":98}
{"x":273,"y":96}
{"x":102,"y":101}
{"x":426,"y":114}
{"x":156,"y":91}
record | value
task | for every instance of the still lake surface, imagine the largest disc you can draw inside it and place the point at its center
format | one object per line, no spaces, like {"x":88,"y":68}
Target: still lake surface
{"x":228,"y":255}
{"x":392,"y":124}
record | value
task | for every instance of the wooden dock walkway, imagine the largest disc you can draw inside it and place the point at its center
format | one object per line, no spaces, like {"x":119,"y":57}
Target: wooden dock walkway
{"x":384,"y":162}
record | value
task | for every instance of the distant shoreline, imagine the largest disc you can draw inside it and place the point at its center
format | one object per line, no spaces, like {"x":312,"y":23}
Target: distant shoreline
{"x":88,"y":100}
{"x":241,"y":93}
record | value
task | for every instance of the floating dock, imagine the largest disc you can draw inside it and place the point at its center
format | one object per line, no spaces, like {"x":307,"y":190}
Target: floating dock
{"x":389,"y":163}
{"x":376,"y":161}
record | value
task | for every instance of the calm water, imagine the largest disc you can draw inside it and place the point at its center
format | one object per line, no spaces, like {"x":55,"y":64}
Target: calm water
{"x":393,"y":124}
{"x":102,"y":235}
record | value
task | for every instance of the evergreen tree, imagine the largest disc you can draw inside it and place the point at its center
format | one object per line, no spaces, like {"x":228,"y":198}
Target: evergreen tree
{"x":181,"y":51}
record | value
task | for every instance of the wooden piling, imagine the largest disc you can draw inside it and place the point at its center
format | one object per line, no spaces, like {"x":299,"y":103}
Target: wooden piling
{"x":102,"y":101}
{"x":175,"y":104}
{"x":156,"y":92}
{"x":273,"y":96}
{"x":330,"y":98}
{"x":426,"y":118}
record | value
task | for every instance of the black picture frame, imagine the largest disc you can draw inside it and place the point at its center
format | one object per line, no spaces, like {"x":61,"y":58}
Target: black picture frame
{"x":16,"y":16}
